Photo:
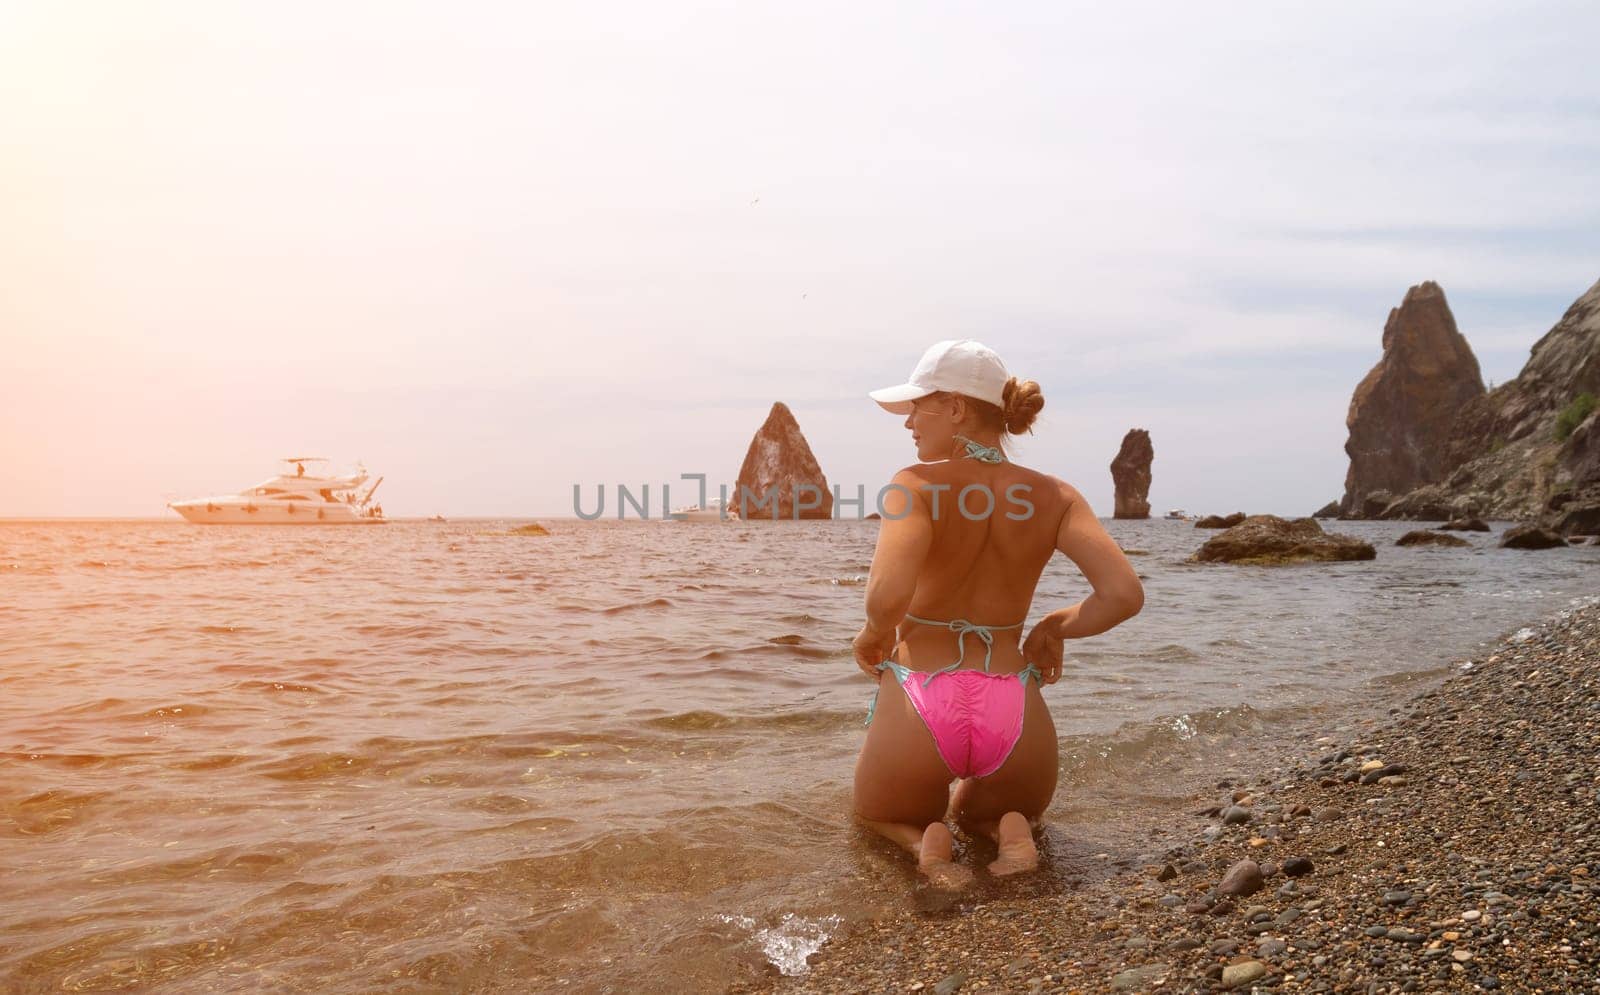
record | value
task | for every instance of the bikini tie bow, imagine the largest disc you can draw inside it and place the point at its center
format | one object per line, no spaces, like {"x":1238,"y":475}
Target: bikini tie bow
{"x":981,"y":452}
{"x":961,"y":627}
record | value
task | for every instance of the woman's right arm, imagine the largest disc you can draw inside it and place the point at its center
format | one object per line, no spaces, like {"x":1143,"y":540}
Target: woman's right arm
{"x":1117,"y":595}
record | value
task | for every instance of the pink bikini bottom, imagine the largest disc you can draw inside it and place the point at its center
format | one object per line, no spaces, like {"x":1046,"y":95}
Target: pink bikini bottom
{"x":975,"y":717}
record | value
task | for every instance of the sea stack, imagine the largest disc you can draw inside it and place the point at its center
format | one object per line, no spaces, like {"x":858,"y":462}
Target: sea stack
{"x":1529,"y":450}
{"x":1402,"y":413}
{"x":780,"y":473}
{"x":1130,"y":472}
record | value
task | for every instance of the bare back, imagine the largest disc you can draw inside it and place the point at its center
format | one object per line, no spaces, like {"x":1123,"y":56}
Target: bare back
{"x":981,"y":567}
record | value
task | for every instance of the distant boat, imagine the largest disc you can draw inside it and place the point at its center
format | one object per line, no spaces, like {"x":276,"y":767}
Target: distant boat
{"x":436,"y":518}
{"x":1179,"y":515}
{"x":712,"y":512}
{"x":296,"y":498}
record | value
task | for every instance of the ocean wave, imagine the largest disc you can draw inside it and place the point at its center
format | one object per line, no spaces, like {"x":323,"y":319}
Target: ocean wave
{"x":75,"y":761}
{"x":274,"y":687}
{"x":781,"y":651}
{"x":420,"y":630}
{"x":636,"y":606}
{"x":92,"y":707}
{"x":225,"y":630}
{"x":1172,"y":653}
{"x":1405,"y":678}
{"x":722,"y":674}
{"x":181,"y":711}
{"x":215,"y":761}
{"x":498,"y":803}
{"x":1083,"y":757}
{"x":50,"y":811}
{"x":706,"y":720}
{"x":788,"y":945}
{"x":315,"y":766}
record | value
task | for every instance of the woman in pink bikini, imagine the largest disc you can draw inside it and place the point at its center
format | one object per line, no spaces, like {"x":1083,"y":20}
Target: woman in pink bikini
{"x":965,"y":535}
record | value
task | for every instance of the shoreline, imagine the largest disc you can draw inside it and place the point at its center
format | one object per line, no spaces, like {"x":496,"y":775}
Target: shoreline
{"x":1453,"y":845}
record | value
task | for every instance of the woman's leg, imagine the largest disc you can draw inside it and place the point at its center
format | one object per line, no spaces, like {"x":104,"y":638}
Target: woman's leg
{"x":902,"y":788}
{"x":1005,"y":805}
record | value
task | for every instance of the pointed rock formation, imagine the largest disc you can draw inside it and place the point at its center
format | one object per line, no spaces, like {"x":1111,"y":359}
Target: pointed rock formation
{"x":1130,"y":472}
{"x":1506,"y":458}
{"x":1402,"y":413}
{"x":780,"y":478}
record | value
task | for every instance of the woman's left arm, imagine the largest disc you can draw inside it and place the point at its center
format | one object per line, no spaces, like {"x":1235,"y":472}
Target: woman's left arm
{"x":903,"y":542}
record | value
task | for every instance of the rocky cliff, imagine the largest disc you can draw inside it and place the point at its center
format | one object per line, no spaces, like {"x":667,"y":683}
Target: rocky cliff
{"x":1504,"y":456}
{"x":1130,"y":472}
{"x":780,"y":474}
{"x":1402,"y":413}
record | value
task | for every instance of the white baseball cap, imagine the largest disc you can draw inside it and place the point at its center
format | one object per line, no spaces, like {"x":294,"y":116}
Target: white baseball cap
{"x":962,"y":366}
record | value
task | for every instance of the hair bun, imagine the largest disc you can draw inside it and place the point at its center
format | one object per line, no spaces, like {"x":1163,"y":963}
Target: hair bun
{"x":1021,"y":402}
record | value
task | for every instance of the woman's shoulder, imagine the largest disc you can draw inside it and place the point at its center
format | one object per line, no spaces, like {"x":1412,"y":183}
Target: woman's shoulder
{"x":1057,"y":485}
{"x":1037,"y":483}
{"x":1049,"y":486}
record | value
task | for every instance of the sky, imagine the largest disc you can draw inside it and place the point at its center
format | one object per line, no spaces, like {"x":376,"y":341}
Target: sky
{"x":498,"y":250}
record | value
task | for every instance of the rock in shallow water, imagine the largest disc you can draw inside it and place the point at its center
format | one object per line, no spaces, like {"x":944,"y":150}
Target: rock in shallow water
{"x":1531,"y":537}
{"x":1221,"y":521}
{"x":1424,"y":537}
{"x":1404,"y":410}
{"x":779,"y":469}
{"x":1267,"y":540}
{"x":1130,"y":473}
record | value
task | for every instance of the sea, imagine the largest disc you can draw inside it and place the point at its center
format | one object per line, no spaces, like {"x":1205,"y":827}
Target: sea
{"x":447,"y":757}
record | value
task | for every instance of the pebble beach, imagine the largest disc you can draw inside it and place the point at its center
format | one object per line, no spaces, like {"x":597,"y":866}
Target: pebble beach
{"x":1449,"y":844}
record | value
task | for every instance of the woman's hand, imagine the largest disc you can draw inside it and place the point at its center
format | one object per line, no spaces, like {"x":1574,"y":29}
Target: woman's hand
{"x":872,"y":647}
{"x":1043,"y":648}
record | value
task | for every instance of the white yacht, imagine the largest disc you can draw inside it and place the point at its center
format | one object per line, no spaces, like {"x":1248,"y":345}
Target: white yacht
{"x":1178,"y":515}
{"x":712,"y":512}
{"x":294,"y":497}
